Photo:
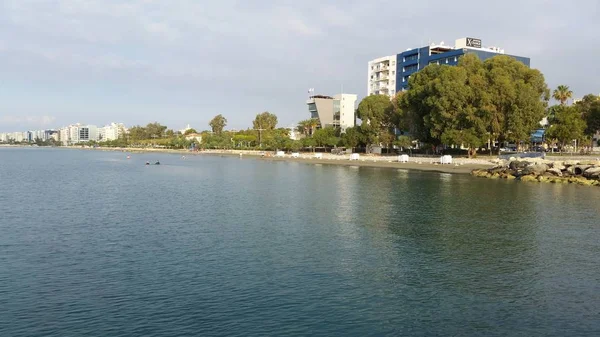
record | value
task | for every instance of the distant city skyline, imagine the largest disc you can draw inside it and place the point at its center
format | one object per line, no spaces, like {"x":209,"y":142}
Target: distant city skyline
{"x":137,"y":61}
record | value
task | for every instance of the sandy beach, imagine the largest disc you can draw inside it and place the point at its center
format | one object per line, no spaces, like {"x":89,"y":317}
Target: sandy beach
{"x":459,"y":165}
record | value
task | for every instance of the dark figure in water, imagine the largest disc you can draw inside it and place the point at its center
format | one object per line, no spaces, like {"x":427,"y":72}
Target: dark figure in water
{"x":147,"y":163}
{"x":157,"y":163}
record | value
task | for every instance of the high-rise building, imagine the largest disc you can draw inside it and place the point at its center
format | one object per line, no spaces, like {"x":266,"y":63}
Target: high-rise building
{"x":77,"y":133}
{"x":390,"y":74}
{"x":336,"y":111}
{"x":112,"y":131}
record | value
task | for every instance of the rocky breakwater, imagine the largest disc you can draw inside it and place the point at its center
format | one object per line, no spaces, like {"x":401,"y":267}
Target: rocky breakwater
{"x":582,"y":172}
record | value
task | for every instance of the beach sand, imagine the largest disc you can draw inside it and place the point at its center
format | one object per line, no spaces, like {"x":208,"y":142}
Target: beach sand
{"x":459,"y":166}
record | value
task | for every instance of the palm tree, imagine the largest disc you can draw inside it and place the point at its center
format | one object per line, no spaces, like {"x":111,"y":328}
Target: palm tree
{"x":313,"y":124}
{"x":562,"y":94}
{"x":304,"y":127}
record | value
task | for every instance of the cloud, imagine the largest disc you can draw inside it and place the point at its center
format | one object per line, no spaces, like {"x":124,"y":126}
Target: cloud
{"x":263,"y":53}
{"x":28,"y":120}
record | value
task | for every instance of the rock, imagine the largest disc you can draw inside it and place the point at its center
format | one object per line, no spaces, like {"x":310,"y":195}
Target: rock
{"x":528,"y":178}
{"x":592,"y":172}
{"x":510,"y":177}
{"x":589,"y":162}
{"x":583,"y":181}
{"x":480,"y":173}
{"x":558,"y":165}
{"x":497,"y":170}
{"x":555,"y":171}
{"x":517,"y":165}
{"x":543,"y":179}
{"x":535,"y":169}
{"x":571,"y":162}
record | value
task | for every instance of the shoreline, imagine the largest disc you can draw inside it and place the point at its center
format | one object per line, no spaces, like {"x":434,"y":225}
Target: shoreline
{"x":461,"y":165}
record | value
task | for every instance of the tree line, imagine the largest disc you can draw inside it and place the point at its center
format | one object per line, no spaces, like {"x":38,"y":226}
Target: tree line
{"x":476,"y":104}
{"x":473,"y":105}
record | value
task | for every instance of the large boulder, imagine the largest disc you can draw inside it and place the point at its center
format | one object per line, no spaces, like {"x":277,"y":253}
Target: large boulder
{"x":536,"y":169}
{"x":592,"y":172}
{"x":555,"y":171}
{"x":558,"y":165}
{"x":571,"y":162}
{"x":589,"y":162}
{"x":517,"y":165}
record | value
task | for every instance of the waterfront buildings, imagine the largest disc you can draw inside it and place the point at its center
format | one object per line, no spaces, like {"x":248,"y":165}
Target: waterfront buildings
{"x":111,"y":131}
{"x":336,"y":111}
{"x":77,"y":133}
{"x":13,"y":136}
{"x":389,"y":74}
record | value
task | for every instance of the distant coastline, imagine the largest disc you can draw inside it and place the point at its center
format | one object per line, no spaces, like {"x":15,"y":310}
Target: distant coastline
{"x":461,"y":165}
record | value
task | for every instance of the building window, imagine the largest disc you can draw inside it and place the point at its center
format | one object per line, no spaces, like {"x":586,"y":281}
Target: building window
{"x":411,"y":68}
{"x":411,"y":57}
{"x":393,"y":72}
{"x":393,"y":63}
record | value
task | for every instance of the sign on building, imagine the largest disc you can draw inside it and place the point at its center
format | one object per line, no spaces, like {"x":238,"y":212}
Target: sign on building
{"x":472,"y":42}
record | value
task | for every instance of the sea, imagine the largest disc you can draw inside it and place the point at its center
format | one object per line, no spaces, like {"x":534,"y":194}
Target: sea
{"x":96,"y":243}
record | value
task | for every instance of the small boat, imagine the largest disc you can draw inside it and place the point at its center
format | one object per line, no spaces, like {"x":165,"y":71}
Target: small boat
{"x":147,"y":163}
{"x":157,"y":163}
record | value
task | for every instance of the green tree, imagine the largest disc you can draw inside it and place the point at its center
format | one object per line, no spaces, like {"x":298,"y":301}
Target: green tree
{"x":474,"y":102}
{"x":568,"y":125}
{"x":295,"y":145}
{"x":351,"y":138}
{"x":188,"y":131}
{"x":218,"y":123}
{"x":448,"y":99}
{"x":304,"y":127}
{"x":137,"y":133}
{"x":309,"y":142}
{"x":265,"y":121}
{"x":592,"y":119}
{"x":517,"y":101}
{"x":155,"y":130}
{"x":404,"y":142}
{"x":374,"y":112}
{"x":562,"y":93}
{"x":313,"y":124}
{"x":325,"y":137}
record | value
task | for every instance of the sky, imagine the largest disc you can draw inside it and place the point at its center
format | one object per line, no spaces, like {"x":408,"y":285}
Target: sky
{"x":182,"y":62}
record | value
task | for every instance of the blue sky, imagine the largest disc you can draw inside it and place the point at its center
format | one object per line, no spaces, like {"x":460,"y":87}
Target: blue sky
{"x":184,"y":61}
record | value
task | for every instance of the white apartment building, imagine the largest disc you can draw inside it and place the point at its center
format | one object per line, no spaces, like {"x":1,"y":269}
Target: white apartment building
{"x":112,"y":131}
{"x":382,"y":76}
{"x":77,"y":133}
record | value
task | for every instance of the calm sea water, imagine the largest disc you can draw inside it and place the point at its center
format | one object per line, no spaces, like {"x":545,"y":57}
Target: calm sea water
{"x":93,"y":244}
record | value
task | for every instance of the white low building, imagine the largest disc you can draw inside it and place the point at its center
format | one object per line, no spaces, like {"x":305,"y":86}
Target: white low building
{"x":336,"y":111}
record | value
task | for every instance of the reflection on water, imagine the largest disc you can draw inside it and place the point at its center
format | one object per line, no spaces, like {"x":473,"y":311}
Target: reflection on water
{"x":102,"y":245}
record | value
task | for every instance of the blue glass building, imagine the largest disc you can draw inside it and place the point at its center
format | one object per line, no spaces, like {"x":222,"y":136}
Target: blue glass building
{"x":389,"y":75}
{"x":411,"y":61}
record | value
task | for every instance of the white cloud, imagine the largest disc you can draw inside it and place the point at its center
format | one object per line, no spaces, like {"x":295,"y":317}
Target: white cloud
{"x":29,"y":120}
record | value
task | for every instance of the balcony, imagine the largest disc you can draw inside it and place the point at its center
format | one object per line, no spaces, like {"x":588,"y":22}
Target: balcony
{"x":382,"y":78}
{"x":382,"y":68}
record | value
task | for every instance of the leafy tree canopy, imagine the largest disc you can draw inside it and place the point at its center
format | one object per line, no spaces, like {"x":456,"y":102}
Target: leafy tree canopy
{"x":218,"y":123}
